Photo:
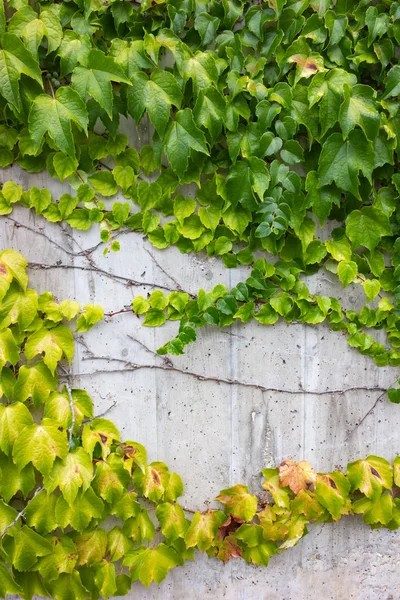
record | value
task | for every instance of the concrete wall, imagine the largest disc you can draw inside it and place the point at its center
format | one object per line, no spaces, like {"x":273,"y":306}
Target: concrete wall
{"x":289,"y":400}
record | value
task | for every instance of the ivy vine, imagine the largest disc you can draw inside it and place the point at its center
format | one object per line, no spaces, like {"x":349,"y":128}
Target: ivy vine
{"x":284,"y":115}
{"x":83,"y":514}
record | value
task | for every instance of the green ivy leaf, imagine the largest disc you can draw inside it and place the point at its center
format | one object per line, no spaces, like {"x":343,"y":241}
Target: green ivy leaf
{"x":238,"y":502}
{"x":118,"y":544}
{"x":347,"y":272}
{"x":72,"y":476}
{"x":13,"y":419}
{"x":105,"y":579}
{"x":154,"y":318}
{"x":64,"y":165}
{"x":15,"y":60}
{"x":104,"y":183}
{"x":183,"y":136}
{"x":40,"y":513}
{"x":87,"y":506}
{"x":151,"y":564}
{"x":375,"y":511}
{"x":53,"y":343}
{"x":207,"y":26}
{"x":12,"y":266}
{"x":62,"y":559}
{"x":172,"y":520}
{"x":95,"y":79}
{"x":99,"y":431}
{"x":54,"y":116}
{"x":203,"y":529}
{"x":9,"y":352}
{"x":366,"y":227}
{"x":370,"y":476}
{"x":392,"y":82}
{"x":15,"y":480}
{"x":332,"y":491}
{"x":359,"y":108}
{"x":111,"y":479}
{"x":340,"y":161}
{"x":67,"y":585}
{"x":25,"y":547}
{"x":91,"y":546}
{"x":7,"y":583}
{"x":40,"y":444}
{"x":156,"y":95}
{"x":36,"y":382}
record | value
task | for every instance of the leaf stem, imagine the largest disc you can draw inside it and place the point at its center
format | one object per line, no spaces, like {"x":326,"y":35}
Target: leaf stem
{"x":20,"y":514}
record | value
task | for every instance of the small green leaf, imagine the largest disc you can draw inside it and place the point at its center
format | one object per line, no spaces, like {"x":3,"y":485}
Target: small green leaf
{"x":372,"y":288}
{"x":347,"y":272}
{"x":104,"y":183}
{"x":238,"y":502}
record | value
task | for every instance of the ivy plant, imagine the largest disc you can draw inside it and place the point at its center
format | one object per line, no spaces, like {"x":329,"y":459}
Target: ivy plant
{"x":283,"y":115}
{"x":84,"y":515}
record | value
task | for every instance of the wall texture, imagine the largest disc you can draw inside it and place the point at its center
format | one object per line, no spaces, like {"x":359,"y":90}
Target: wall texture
{"x":288,"y":400}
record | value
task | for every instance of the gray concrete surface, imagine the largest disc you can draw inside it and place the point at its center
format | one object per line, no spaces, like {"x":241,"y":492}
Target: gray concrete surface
{"x":290,"y":401}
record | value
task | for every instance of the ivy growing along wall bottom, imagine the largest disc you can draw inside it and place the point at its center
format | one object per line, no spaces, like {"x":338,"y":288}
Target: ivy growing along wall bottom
{"x":83,"y":514}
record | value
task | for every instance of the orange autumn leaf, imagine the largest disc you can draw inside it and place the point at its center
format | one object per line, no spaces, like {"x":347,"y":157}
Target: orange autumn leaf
{"x":296,"y":476}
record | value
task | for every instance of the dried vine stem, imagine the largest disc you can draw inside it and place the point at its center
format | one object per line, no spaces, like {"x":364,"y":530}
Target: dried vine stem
{"x":21,"y":513}
{"x":130,"y":366}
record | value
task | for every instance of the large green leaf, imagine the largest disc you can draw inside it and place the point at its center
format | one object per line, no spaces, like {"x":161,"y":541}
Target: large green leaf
{"x":156,"y":95}
{"x":151,"y":564}
{"x":74,"y":49}
{"x":40,"y":445}
{"x":95,"y":79}
{"x":370,"y":476}
{"x":72,"y":475}
{"x":367,"y":226}
{"x":183,"y":136}
{"x":36,"y":382}
{"x":7,"y":583}
{"x":26,"y":547}
{"x":199,"y":67}
{"x":15,"y":480}
{"x":342,"y":160}
{"x":8,"y":348}
{"x":53,"y":343}
{"x":62,"y":559}
{"x":86,"y":506}
{"x":13,"y":419}
{"x":12,"y":266}
{"x":54,"y":116}
{"x":326,"y":89}
{"x":203,"y":529}
{"x":172,"y":520}
{"x":359,"y":108}
{"x":40,"y":512}
{"x":15,"y":60}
